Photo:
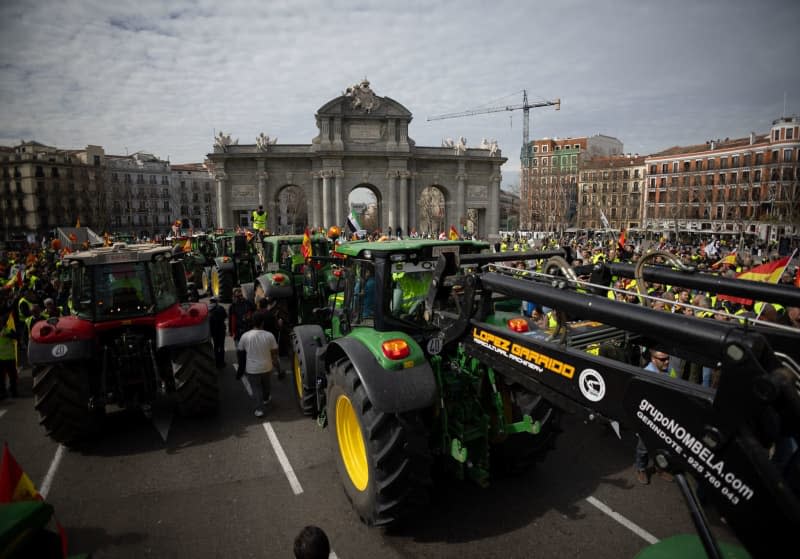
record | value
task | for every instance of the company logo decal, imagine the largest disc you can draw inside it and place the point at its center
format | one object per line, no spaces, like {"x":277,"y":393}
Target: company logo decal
{"x":592,"y":385}
{"x":534,"y":360}
{"x":59,"y":350}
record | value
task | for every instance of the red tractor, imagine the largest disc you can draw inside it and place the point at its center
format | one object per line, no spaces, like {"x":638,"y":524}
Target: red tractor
{"x":127,"y":341}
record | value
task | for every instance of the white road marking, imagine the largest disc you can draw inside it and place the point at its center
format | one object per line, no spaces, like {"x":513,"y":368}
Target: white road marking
{"x":3,"y":412}
{"x":641,"y":532}
{"x":287,"y":467}
{"x":44,"y":489}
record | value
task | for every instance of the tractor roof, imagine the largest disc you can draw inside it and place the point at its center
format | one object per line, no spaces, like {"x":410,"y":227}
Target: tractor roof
{"x":120,"y":252}
{"x":357,"y":248}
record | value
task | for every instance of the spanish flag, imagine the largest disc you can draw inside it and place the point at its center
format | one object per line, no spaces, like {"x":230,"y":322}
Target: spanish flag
{"x":15,"y":485}
{"x":621,"y":241}
{"x":305,"y":248}
{"x":453,"y":233}
{"x":770,"y":272}
{"x":730,"y":260}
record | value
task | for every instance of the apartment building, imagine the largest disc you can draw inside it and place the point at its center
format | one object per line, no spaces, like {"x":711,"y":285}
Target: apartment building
{"x":743,"y":186}
{"x":611,"y":188}
{"x":193,"y":196}
{"x":549,"y":189}
{"x":138,"y":194}
{"x":44,"y":187}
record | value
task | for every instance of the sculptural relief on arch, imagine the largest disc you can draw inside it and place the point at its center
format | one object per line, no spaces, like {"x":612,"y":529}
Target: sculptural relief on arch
{"x":363,"y":142}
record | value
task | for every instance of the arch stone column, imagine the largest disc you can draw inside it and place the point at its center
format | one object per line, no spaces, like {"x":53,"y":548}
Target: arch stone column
{"x":339,"y":200}
{"x":223,"y":217}
{"x":403,"y":193}
{"x":316,"y":200}
{"x":262,"y":177}
{"x":326,"y":198}
{"x":461,"y":198}
{"x":493,"y":209}
{"x":391,"y":200}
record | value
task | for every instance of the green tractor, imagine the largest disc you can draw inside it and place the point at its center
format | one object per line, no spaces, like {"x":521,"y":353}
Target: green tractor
{"x":385,"y":371}
{"x":197,"y":253}
{"x":287,"y":275}
{"x":232,"y":261}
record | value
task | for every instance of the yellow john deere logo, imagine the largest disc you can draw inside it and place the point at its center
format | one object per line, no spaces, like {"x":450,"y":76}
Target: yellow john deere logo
{"x":521,"y":354}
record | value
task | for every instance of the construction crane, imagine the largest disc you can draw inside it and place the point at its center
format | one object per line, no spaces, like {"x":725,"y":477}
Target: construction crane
{"x":525,"y":106}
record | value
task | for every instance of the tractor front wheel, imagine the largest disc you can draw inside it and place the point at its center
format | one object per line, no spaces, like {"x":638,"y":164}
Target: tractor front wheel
{"x":196,"y":383}
{"x":383,"y":458}
{"x":61,"y":396}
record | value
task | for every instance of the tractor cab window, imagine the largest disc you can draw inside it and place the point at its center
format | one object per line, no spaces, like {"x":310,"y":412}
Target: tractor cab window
{"x":408,"y":288}
{"x":291,"y":256}
{"x":121,"y":290}
{"x":359,"y":295}
{"x":163,"y":285}
{"x":82,"y":299}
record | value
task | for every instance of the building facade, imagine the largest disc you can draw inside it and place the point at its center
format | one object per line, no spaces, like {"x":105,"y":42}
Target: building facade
{"x":138,"y":194}
{"x":549,"y":189}
{"x":192,"y":195}
{"x":363,"y":144}
{"x":611,"y":187}
{"x":745,"y":186}
{"x":44,"y":187}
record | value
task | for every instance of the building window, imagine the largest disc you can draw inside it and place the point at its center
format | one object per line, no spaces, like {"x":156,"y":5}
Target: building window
{"x":721,"y":178}
{"x":674,"y":166}
{"x":787,"y":155}
{"x":735,"y":161}
{"x":710,"y":164}
{"x":760,"y":158}
{"x":757,"y":175}
{"x":698,"y":165}
{"x":665,"y":168}
{"x":789,"y":133}
{"x":774,"y":156}
{"x":544,"y":149}
{"x":535,"y":149}
{"x":776,"y":135}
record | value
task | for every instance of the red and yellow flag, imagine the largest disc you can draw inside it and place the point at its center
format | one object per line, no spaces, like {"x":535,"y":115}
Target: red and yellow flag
{"x":187,"y":245}
{"x":453,"y":233}
{"x":305,"y":248}
{"x":730,"y":260}
{"x":770,"y":272}
{"x":621,"y":241}
{"x":15,"y":485}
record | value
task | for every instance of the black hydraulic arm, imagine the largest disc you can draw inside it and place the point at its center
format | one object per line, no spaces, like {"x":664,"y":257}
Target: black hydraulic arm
{"x":756,"y":290}
{"x":722,"y":438}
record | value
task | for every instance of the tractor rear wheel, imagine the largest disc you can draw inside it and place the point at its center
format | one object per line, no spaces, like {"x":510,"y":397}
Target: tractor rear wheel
{"x":382,"y":458}
{"x":225,"y":284}
{"x":206,"y":283}
{"x":61,"y":396}
{"x":305,"y":340}
{"x":196,"y":384}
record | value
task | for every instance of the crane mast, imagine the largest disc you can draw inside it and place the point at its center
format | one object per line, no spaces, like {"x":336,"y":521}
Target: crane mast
{"x":526,"y":107}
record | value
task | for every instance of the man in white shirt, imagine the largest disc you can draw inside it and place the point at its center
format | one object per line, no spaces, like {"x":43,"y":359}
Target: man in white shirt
{"x":258,"y":354}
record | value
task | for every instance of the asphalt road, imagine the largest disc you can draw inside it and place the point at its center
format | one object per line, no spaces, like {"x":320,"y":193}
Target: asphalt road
{"x":217,"y":488}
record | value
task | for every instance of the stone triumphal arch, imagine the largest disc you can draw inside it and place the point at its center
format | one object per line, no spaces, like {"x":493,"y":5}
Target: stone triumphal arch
{"x":363,"y":143}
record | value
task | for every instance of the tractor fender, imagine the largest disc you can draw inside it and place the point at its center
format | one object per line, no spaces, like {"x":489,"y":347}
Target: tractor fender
{"x":282,"y":289}
{"x":66,"y":338}
{"x":224,"y":263}
{"x":390,"y":391}
{"x":46,"y":353}
{"x":182,"y":325}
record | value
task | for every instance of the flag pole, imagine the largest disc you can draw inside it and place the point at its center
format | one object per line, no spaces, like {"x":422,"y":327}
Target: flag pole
{"x":779,"y":276}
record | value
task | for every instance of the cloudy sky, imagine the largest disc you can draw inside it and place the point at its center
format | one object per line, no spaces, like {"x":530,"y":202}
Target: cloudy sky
{"x":162,"y":77}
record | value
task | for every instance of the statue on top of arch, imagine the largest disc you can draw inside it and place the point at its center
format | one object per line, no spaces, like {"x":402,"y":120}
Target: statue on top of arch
{"x":491,"y":146}
{"x":362,"y":97}
{"x":222,"y":141}
{"x":263,"y":142}
{"x":461,"y":146}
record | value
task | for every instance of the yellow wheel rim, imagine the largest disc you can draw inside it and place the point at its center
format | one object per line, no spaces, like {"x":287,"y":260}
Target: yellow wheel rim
{"x":298,"y":376}
{"x":215,"y":283}
{"x":351,"y":443}
{"x":205,"y":282}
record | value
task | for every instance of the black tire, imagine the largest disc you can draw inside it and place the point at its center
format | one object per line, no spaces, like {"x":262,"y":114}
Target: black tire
{"x":205,"y":282}
{"x":225,"y":294}
{"x":61,"y":396}
{"x":196,"y":385}
{"x":305,"y":341}
{"x":388,"y":452}
{"x":518,"y":452}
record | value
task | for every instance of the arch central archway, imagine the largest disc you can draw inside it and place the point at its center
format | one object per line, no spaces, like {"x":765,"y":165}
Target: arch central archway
{"x":291,"y":213}
{"x":364,"y":207}
{"x":431,"y":211}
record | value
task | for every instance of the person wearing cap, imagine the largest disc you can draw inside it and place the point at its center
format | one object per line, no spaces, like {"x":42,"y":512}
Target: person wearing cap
{"x":216,"y":321}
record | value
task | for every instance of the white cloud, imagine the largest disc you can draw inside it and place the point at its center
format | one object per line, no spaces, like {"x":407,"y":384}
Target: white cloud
{"x":162,"y":77}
